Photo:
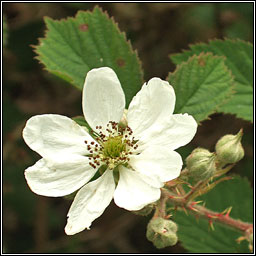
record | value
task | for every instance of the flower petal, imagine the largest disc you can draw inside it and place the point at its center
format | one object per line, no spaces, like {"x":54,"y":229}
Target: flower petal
{"x":90,"y":202}
{"x":158,"y":163}
{"x":103,"y":97}
{"x":59,"y":177}
{"x":132,"y":192}
{"x":154,"y":102}
{"x":53,"y":134}
{"x":175,"y":132}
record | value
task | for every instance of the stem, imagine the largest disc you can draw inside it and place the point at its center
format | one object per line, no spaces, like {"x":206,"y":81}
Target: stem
{"x":161,"y":206}
{"x":193,"y":192}
{"x":211,"y":216}
{"x":221,"y":218}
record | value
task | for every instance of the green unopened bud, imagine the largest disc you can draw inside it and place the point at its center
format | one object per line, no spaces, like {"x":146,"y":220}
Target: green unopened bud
{"x":201,"y":164}
{"x":145,"y":211}
{"x":229,"y":149}
{"x":162,"y":233}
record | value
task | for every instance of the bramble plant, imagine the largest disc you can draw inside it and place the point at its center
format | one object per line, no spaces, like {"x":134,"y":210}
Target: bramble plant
{"x":124,"y":146}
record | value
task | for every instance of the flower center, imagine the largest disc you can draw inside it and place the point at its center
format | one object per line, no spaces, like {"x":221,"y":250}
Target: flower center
{"x":114,"y":146}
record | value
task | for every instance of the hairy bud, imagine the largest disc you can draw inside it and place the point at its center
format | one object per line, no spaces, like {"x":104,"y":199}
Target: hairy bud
{"x":229,"y":149}
{"x":201,"y":164}
{"x":162,"y":232}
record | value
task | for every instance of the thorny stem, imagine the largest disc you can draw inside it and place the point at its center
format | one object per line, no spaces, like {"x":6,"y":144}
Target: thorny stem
{"x":223,"y":218}
{"x":193,"y":192}
{"x":161,"y":206}
{"x":211,"y":216}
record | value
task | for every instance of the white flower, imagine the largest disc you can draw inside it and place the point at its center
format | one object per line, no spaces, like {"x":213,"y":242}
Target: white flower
{"x":135,"y":160}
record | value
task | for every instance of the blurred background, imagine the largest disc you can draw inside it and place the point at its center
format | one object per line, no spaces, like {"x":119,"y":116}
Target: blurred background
{"x":35,"y":224}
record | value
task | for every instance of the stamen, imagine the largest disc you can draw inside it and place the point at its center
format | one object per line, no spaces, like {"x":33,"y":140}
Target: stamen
{"x":113,"y":146}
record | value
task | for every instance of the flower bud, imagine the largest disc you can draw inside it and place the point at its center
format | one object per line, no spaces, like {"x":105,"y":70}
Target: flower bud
{"x":145,"y":210}
{"x":229,"y":149}
{"x":201,"y":164}
{"x":162,"y":232}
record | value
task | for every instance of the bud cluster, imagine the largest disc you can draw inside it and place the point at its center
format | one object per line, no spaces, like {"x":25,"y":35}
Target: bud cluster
{"x":201,"y":163}
{"x":201,"y":166}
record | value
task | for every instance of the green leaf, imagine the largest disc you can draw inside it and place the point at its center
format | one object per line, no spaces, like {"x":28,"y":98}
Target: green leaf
{"x":201,"y":84}
{"x":197,"y":237}
{"x":73,"y":46}
{"x":239,"y":59}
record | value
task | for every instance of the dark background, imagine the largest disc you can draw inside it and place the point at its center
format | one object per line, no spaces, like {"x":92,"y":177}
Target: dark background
{"x":35,"y":224}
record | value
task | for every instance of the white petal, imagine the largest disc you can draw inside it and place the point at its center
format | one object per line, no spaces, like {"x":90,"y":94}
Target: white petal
{"x":158,"y":163}
{"x":90,"y":202}
{"x":53,"y":134}
{"x":175,"y":132}
{"x":154,"y":102}
{"x":59,"y":177}
{"x":132,"y":192}
{"x":103,"y":97}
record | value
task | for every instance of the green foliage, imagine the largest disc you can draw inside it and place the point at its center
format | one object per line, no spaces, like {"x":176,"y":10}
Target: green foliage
{"x":239,"y":59}
{"x":197,"y":237}
{"x":201,"y":84}
{"x":74,"y":46}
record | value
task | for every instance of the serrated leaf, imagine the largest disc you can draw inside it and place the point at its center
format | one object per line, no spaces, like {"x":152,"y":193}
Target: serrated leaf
{"x":201,"y":84}
{"x":239,"y":59}
{"x":196,"y":236}
{"x":74,"y":46}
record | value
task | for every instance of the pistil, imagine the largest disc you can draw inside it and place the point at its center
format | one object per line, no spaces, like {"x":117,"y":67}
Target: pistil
{"x":114,"y":146}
